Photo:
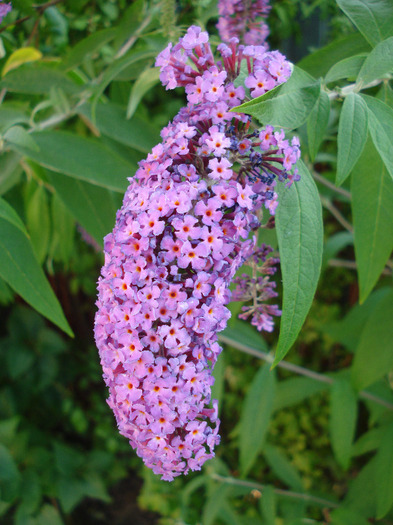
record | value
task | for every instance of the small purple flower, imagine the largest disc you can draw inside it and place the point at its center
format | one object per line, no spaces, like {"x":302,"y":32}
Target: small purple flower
{"x":4,"y":10}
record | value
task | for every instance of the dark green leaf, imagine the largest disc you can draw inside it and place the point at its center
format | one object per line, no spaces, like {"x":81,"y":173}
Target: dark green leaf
{"x":300,"y":240}
{"x":38,"y":221}
{"x":111,"y":121}
{"x":343,"y":516}
{"x":384,"y":473}
{"x":372,"y":208}
{"x":92,"y":207}
{"x":373,"y":18}
{"x":9,"y":475}
{"x":334,"y":245}
{"x":380,"y":119}
{"x":283,"y":468}
{"x":81,"y":158}
{"x":291,"y":105}
{"x":88,"y":47}
{"x":378,"y":64}
{"x":149,"y":78}
{"x":374,"y":356}
{"x":49,"y":515}
{"x":255,"y":418}
{"x":37,"y":79}
{"x":352,"y":135}
{"x":19,"y":359}
{"x":362,"y":494}
{"x":348,"y":68}
{"x":214,"y":504}
{"x":267,"y":504}
{"x":342,"y":422}
{"x":320,"y":62}
{"x":131,"y":20}
{"x":368,"y":442}
{"x":20,"y":269}
{"x":317,"y":123}
{"x":63,"y":230}
{"x":295,"y":390}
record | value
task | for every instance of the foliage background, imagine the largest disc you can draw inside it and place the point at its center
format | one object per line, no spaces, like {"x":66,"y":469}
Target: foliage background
{"x":81,"y":104}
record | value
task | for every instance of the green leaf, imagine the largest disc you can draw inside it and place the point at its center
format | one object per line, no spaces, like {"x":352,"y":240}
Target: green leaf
{"x":290,"y":106}
{"x":8,"y":213}
{"x":368,"y":442}
{"x":149,"y":78}
{"x":49,"y":515}
{"x":300,"y":239}
{"x":352,"y":135}
{"x":19,"y":136}
{"x":380,"y":119}
{"x":92,"y":207}
{"x":334,"y":245}
{"x":374,"y":356}
{"x":131,"y":20}
{"x":255,"y":417}
{"x":62,"y":244}
{"x":293,"y":391}
{"x":20,"y":269}
{"x":373,"y":18}
{"x":267,"y":505}
{"x":9,"y":475}
{"x":111,"y":121}
{"x":10,"y":171}
{"x":343,"y":516}
{"x":70,"y":492}
{"x":378,"y":63}
{"x":342,"y":422}
{"x":37,"y":79}
{"x":38,"y":221}
{"x":372,"y":208}
{"x":214,"y":504}
{"x":362,"y":493}
{"x":88,"y":47}
{"x":11,"y":115}
{"x":19,"y":359}
{"x":348,"y":68}
{"x":321,"y":61}
{"x":81,"y":158}
{"x":317,"y":123}
{"x":283,"y":468}
{"x":384,"y":473}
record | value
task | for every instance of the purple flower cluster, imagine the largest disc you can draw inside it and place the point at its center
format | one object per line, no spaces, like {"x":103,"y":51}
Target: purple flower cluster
{"x":178,"y":241}
{"x":242,"y":19}
{"x":4,"y":10}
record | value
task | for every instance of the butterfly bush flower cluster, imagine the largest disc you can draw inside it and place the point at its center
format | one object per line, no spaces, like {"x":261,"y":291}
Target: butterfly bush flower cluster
{"x":180,"y":236}
{"x":4,"y":10}
{"x":242,"y":19}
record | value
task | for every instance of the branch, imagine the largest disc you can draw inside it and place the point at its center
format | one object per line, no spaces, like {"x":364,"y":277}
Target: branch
{"x":329,"y":184}
{"x":336,"y":214}
{"x":280,"y":492}
{"x":298,"y":369}
{"x":39,"y":8}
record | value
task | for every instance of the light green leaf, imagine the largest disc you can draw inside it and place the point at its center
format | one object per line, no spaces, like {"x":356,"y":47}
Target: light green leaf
{"x":19,"y":57}
{"x":291,"y":105}
{"x":378,"y":64}
{"x":37,"y":79}
{"x":111,"y":121}
{"x":300,"y":240}
{"x":38,"y":221}
{"x":317,"y":123}
{"x":255,"y":418}
{"x":149,"y":78}
{"x":19,"y":136}
{"x":283,"y":468}
{"x":342,"y":422}
{"x":295,"y":390}
{"x":384,"y":473}
{"x":348,"y":68}
{"x":374,"y":356}
{"x":321,"y":61}
{"x":380,"y":119}
{"x":352,"y":135}
{"x":92,"y":207}
{"x":11,"y":115}
{"x":81,"y":158}
{"x":372,"y":208}
{"x":20,"y":269}
{"x":373,"y":18}
{"x":267,"y":505}
{"x":87,"y":47}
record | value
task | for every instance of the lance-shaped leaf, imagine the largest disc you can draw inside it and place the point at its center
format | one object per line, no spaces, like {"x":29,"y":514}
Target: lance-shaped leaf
{"x":342,"y":422}
{"x":384,"y":473}
{"x":352,"y":135}
{"x":254,"y":423}
{"x":300,"y":240}
{"x":317,"y":123}
{"x":347,"y":68}
{"x":373,"y":18}
{"x":20,"y":269}
{"x":372,"y":208}
{"x":378,"y":63}
{"x":380,"y":123}
{"x":149,"y":78}
{"x":287,"y":105}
